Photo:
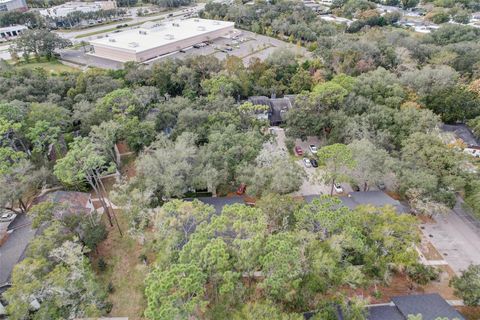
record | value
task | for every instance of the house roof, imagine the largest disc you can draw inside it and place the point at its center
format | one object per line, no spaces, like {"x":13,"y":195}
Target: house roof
{"x":430,"y":306}
{"x":463,"y":132}
{"x":278,"y":106}
{"x":374,"y":198}
{"x":76,"y":202}
{"x":219,"y":202}
{"x":383,"y":312}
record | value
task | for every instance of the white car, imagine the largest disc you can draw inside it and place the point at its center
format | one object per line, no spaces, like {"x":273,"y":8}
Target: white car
{"x":313,"y":148}
{"x":7,"y":216}
{"x":338,"y":188}
{"x":307,"y":162}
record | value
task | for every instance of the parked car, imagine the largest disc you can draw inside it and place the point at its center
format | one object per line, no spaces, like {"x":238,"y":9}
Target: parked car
{"x":381,"y":185}
{"x":241,"y":189}
{"x":228,"y":48}
{"x":313,"y":148}
{"x":298,"y":151}
{"x":7,"y":216}
{"x":338,"y":188}
{"x":307,"y":163}
{"x":314,"y":163}
{"x":181,"y":50}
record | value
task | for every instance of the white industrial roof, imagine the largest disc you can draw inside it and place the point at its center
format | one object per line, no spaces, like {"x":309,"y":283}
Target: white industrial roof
{"x":151,"y":36}
{"x":68,"y":7}
{"x":13,"y":28}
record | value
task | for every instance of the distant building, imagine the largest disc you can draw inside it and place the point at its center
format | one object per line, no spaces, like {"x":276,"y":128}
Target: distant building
{"x":430,"y":306}
{"x":327,"y":3}
{"x":156,"y":39}
{"x":10,"y":33}
{"x":63,"y":10}
{"x":13,"y":5}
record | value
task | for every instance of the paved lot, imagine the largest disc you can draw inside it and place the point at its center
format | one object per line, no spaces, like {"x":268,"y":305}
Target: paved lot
{"x":456,"y":239}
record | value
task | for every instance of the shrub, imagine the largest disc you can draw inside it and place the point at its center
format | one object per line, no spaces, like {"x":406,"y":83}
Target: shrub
{"x":422,"y":274}
{"x":102,"y":265}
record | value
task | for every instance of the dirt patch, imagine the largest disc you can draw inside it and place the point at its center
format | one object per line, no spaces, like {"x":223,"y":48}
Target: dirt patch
{"x":123,"y":147}
{"x":470,"y":313}
{"x":428,"y":250}
{"x":425,"y":219}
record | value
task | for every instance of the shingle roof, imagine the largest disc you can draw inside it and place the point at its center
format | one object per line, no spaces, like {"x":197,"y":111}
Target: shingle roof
{"x":219,"y":202}
{"x":463,"y":132}
{"x":76,"y":202}
{"x":384,"y":312}
{"x":430,"y":306}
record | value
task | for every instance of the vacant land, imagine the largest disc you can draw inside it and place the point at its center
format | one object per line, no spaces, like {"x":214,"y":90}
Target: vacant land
{"x":52,"y":67}
{"x":125,"y":272}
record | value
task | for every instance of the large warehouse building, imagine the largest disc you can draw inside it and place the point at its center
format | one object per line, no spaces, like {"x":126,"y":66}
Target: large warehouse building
{"x":157,"y":39}
{"x":13,"y":5}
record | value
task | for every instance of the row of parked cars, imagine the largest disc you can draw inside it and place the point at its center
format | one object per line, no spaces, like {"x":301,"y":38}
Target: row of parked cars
{"x":308,"y":162}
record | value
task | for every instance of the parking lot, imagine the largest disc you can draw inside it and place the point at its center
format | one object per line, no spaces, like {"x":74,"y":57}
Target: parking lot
{"x":311,"y":184}
{"x":248,"y":45}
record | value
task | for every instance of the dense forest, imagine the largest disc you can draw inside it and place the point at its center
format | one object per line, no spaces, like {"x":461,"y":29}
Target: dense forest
{"x":376,"y":96}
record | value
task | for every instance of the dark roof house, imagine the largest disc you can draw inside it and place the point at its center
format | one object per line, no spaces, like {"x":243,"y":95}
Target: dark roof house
{"x":75,"y":202}
{"x":461,"y":131}
{"x":374,"y":198}
{"x":278,"y":107}
{"x":430,"y":306}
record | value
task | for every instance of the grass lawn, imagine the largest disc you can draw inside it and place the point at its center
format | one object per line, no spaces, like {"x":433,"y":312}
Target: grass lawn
{"x":125,"y":271}
{"x":53,"y":66}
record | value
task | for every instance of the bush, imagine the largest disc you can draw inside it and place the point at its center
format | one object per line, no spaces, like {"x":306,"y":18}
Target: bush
{"x":467,"y":286}
{"x":422,"y":274}
{"x":102,"y":265}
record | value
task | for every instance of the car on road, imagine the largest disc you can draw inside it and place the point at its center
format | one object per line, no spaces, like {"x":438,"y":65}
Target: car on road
{"x":307,"y":162}
{"x":298,"y":151}
{"x":313,"y":148}
{"x":7,"y":216}
{"x":241,"y":189}
{"x":338,"y":188}
{"x":314,"y":163}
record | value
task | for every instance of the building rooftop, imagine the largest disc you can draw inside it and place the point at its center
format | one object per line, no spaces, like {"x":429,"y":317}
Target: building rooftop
{"x":75,"y":202}
{"x":13,"y":28}
{"x":430,"y":306}
{"x":64,"y":9}
{"x":152,"y":35}
{"x":461,"y":131}
{"x":374,"y":198}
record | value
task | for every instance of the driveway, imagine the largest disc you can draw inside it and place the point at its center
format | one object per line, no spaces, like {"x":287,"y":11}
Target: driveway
{"x":456,"y":238}
{"x":13,"y":249}
{"x":311,"y":185}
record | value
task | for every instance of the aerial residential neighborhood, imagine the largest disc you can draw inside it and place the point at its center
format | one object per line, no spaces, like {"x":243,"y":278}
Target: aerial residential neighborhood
{"x":218,"y":159}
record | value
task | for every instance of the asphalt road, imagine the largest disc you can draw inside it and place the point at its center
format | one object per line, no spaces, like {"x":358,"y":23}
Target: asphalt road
{"x":456,"y":238}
